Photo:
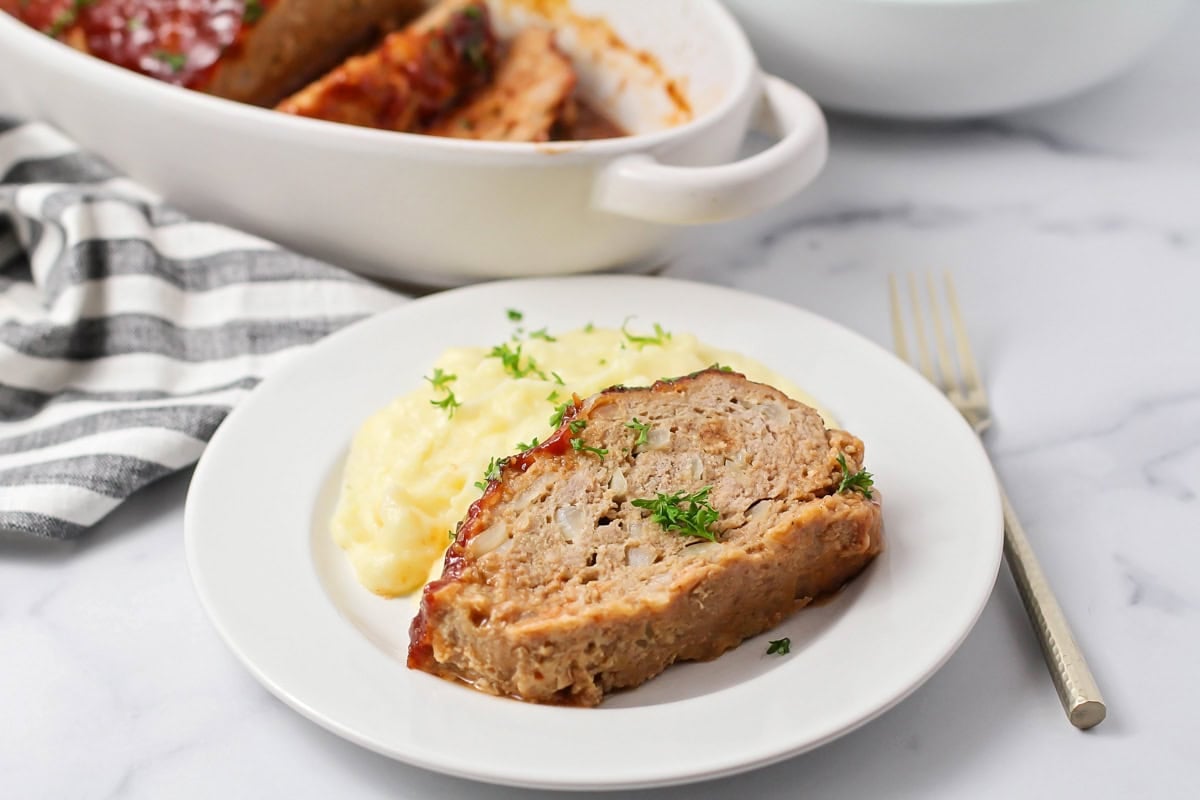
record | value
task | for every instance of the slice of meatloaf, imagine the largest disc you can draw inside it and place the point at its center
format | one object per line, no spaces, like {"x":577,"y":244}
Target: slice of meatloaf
{"x":532,"y":85}
{"x":413,"y":78}
{"x":558,"y":588}
{"x":255,"y":51}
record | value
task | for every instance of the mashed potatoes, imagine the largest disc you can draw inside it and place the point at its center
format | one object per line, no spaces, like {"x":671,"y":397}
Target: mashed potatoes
{"x":413,"y":467}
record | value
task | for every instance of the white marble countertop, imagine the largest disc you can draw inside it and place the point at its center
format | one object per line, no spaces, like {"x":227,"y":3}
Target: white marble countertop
{"x":1074,"y":232}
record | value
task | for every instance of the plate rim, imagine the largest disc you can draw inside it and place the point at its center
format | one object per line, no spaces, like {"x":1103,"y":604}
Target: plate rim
{"x":651,"y":779}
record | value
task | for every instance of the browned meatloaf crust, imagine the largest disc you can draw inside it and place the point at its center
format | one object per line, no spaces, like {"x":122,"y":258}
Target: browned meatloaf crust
{"x":253,"y":52}
{"x":526,"y":99}
{"x":558,"y":589}
{"x":413,"y":78}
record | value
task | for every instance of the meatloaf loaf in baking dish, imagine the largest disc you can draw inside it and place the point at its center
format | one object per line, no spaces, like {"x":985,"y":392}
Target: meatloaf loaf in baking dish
{"x":253,"y":51}
{"x":655,"y":525}
{"x":412,"y":78}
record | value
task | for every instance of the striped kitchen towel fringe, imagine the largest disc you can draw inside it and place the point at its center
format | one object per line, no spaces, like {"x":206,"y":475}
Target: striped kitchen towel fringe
{"x":128,"y":330}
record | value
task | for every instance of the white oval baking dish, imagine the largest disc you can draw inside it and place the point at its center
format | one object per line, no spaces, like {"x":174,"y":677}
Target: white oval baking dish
{"x":442,"y":211}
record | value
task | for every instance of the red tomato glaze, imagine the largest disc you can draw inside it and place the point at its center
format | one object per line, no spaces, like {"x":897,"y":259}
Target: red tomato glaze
{"x":177,"y":41}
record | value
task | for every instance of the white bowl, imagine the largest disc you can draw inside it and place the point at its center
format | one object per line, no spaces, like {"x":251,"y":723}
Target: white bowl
{"x":439,"y":210}
{"x":930,"y":59}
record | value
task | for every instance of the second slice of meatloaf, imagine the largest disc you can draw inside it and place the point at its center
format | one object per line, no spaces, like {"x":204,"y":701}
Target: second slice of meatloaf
{"x":559,"y":589}
{"x":532,"y":85}
{"x":413,"y":78}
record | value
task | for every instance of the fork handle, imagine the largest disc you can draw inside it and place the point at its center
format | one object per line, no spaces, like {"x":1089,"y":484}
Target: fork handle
{"x":1076,"y":687}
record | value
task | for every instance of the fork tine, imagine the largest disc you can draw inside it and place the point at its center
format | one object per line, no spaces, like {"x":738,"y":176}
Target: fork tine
{"x":926,"y":363}
{"x":966,"y":359}
{"x":898,"y":340}
{"x":949,"y":375}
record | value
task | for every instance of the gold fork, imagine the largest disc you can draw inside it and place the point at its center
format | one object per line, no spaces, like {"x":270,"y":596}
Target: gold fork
{"x":964,"y":388}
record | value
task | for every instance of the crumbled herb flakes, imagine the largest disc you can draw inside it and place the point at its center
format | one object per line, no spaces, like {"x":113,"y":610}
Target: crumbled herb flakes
{"x":688,"y":514}
{"x":492,"y":473}
{"x":659,"y":338}
{"x":557,"y":417}
{"x":176,"y":61}
{"x":578,"y":445}
{"x":440,"y":378}
{"x":514,"y":363}
{"x":642,"y":428}
{"x":447,"y":403}
{"x":860,"y":481}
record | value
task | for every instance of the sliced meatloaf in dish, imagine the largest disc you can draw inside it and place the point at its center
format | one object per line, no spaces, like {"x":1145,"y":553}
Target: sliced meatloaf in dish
{"x":253,"y":51}
{"x":558,"y":588}
{"x":413,"y":78}
{"x":524,"y":102}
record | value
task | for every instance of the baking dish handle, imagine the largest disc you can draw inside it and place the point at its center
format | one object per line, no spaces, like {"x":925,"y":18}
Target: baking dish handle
{"x":639,"y":186}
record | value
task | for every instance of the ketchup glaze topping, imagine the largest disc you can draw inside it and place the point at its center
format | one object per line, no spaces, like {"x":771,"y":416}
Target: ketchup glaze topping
{"x":177,"y":41}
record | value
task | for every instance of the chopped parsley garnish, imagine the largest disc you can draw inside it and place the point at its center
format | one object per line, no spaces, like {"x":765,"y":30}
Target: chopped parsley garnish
{"x":475,"y":56}
{"x":720,"y":367}
{"x":553,"y":396}
{"x":253,"y":12}
{"x":543,"y":334}
{"x":579,"y":447}
{"x":860,"y":481}
{"x":577,"y":425}
{"x":440,"y":378}
{"x":447,"y":403}
{"x":134,"y":23}
{"x":176,"y":61}
{"x":688,"y":514}
{"x":558,"y":379}
{"x":450,"y":533}
{"x":61,"y":22}
{"x":532,"y":443}
{"x":510,"y":358}
{"x":472,"y":12}
{"x":659,"y":338}
{"x":440,"y":381}
{"x":589,"y":328}
{"x":493,"y":469}
{"x":65,"y":18}
{"x":779,"y":647}
{"x":603,"y":362}
{"x":514,"y":315}
{"x":492,"y":473}
{"x":642,"y":429}
{"x":557,"y":417}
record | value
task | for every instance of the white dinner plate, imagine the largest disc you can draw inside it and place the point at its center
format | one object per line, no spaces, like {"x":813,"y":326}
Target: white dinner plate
{"x":283,"y":597}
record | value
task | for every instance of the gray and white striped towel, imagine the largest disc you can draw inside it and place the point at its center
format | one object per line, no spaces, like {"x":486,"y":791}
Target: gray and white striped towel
{"x":128,"y":331}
